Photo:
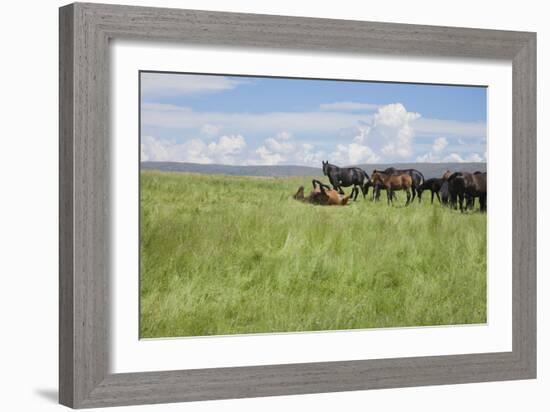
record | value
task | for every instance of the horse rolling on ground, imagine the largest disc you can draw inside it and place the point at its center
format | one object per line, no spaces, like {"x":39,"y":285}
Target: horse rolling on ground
{"x":345,"y":177}
{"x":433,"y":185}
{"x":417,"y":178}
{"x":323,"y":195}
{"x":393,"y":183}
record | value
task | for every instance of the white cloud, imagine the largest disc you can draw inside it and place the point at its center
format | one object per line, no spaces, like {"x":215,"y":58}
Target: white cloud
{"x":466,"y":130}
{"x":153,"y":149}
{"x":210,"y":129}
{"x":267,"y":157}
{"x":390,"y":132}
{"x":474,"y":157}
{"x":232,"y":149}
{"x":155,"y":85}
{"x":362,"y":133}
{"x":227,"y":150}
{"x":167,"y":116}
{"x":436,"y":152}
{"x":428,"y":158}
{"x":386,"y":135}
{"x":439,"y":144}
{"x":356,"y":152}
{"x":352,"y":154}
{"x":455,"y":157}
{"x":342,"y":106}
{"x":283,"y":149}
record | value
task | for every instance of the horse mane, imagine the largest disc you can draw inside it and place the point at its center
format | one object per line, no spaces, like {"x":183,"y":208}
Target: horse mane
{"x":455,"y":175}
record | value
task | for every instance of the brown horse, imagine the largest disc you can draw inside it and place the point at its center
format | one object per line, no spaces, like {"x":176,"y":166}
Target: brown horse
{"x":322,"y":195}
{"x":392,"y":183}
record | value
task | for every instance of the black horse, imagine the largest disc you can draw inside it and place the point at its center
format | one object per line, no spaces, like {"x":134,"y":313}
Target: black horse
{"x":433,"y":185}
{"x":467,"y":186}
{"x":345,"y":177}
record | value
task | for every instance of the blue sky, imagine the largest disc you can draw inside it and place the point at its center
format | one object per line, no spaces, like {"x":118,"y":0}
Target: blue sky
{"x":254,"y":120}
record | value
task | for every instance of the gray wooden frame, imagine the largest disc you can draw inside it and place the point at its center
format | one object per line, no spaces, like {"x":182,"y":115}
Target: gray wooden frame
{"x":85,"y":31}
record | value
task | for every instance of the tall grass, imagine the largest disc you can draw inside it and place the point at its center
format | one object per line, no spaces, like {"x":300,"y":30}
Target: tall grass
{"x":226,"y":255}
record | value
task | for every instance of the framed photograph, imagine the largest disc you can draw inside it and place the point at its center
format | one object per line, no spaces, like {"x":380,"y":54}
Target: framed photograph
{"x":256,"y":205}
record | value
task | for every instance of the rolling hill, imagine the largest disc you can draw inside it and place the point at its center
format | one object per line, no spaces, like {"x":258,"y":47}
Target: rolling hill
{"x":428,"y":169}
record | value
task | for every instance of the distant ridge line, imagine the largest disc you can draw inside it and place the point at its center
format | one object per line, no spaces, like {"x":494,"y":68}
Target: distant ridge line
{"x":428,"y":169}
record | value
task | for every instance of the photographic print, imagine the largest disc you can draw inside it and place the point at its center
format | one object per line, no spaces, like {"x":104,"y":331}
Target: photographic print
{"x":271,"y":205}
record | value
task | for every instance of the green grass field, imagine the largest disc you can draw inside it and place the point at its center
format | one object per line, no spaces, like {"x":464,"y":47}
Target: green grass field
{"x":225,"y":255}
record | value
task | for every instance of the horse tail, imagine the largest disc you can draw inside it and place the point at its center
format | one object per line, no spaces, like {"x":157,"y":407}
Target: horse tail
{"x":422,"y":179}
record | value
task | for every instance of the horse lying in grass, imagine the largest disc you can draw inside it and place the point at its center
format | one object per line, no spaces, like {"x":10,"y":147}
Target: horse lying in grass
{"x":392,"y":183}
{"x":323,"y":195}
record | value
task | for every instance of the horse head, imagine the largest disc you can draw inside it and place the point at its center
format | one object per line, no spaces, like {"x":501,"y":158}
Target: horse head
{"x":375,"y":176}
{"x":325,"y":167}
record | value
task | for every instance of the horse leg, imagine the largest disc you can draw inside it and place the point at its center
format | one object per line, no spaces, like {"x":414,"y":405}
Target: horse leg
{"x":438,"y":198}
{"x":389,"y":196}
{"x":364,"y":191}
{"x":409,"y":200}
{"x":414,"y":194}
{"x":483,"y":203}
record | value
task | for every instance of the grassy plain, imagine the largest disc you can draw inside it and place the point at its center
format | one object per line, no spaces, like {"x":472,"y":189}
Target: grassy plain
{"x":226,"y":255}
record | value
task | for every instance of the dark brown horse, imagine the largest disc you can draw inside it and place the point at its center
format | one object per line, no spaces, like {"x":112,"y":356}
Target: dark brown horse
{"x":323,"y":195}
{"x":392,"y":183}
{"x":433,"y":185}
{"x":466,"y":186}
{"x":444,"y":190}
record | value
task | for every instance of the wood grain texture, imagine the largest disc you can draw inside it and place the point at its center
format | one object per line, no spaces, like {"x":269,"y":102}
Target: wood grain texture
{"x":66,"y":229}
{"x":85,"y":31}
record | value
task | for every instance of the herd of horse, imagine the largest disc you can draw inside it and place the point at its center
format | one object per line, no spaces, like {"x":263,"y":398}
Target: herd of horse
{"x":453,"y":189}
